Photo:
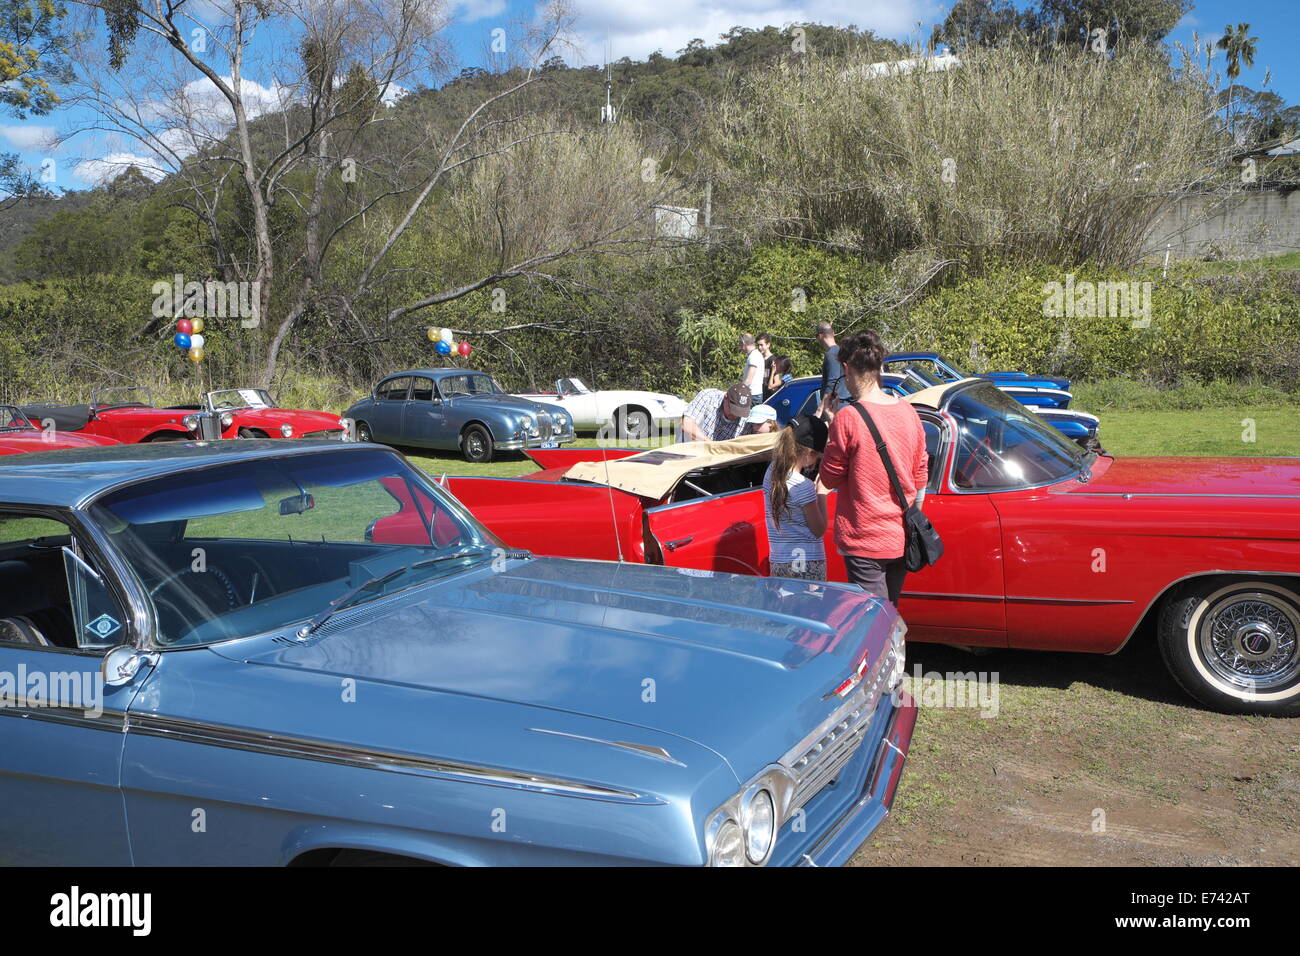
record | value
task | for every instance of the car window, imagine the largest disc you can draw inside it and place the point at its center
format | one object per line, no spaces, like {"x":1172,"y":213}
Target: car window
{"x":1002,"y":445}
{"x":51,"y":596}
{"x":453,"y":385}
{"x":252,"y":546}
{"x":482,"y":385}
{"x":422,"y":389}
{"x":394,"y":390}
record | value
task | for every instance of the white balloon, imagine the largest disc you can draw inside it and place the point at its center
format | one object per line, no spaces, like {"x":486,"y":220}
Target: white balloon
{"x":196,"y":341}
{"x":447,"y":336}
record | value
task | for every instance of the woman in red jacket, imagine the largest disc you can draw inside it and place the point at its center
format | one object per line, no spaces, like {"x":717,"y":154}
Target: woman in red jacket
{"x":868,"y":517}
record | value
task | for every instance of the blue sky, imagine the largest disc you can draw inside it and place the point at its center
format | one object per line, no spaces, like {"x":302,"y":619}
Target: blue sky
{"x":638,"y":27}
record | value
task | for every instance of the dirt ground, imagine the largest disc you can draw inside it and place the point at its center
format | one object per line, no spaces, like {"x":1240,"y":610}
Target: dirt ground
{"x":1089,"y":760}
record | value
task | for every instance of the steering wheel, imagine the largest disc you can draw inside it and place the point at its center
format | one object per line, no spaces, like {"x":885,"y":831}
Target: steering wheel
{"x":201,"y":601}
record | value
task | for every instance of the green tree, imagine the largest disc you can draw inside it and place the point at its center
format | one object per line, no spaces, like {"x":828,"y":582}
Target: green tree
{"x":1239,"y":46}
{"x":33,"y":55}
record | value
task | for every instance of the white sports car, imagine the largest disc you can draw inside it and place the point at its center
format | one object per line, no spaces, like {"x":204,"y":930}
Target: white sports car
{"x":627,"y":413}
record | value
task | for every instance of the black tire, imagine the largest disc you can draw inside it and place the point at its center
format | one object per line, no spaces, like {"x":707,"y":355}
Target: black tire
{"x":1234,"y":644}
{"x":165,"y":436}
{"x":633,"y":423}
{"x":363,"y":432}
{"x":476,"y":445}
{"x":252,"y":433}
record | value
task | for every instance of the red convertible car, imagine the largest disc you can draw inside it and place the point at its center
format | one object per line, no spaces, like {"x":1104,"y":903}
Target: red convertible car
{"x":1047,"y":546}
{"x":19,"y":435}
{"x":129,"y":415}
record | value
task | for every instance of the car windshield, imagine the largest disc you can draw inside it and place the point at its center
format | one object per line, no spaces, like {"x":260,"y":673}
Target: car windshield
{"x":472,"y":384}
{"x":232,"y":398}
{"x":1002,"y":445}
{"x":259,"y":545}
{"x":12,"y":420}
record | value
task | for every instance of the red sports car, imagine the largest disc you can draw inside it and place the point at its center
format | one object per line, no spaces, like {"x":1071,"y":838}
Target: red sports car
{"x":129,"y":415}
{"x":18,"y":435}
{"x":1047,"y":546}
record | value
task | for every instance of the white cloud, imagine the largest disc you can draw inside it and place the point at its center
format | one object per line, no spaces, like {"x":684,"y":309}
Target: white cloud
{"x":468,"y":11}
{"x":108,"y":168}
{"x":637,"y":28}
{"x":29,"y":136}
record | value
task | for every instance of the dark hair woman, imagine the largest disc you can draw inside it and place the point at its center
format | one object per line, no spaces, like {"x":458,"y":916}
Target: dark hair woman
{"x":796,"y":513}
{"x":868,"y":517}
{"x":778,"y":372}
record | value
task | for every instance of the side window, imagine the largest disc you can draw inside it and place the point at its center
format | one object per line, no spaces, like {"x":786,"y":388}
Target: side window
{"x":422,"y":390}
{"x":933,"y":451}
{"x":50,"y":594}
{"x":454,"y":385}
{"x":394,"y":390}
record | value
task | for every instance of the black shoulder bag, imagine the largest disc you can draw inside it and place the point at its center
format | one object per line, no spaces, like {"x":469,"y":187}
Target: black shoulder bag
{"x":923,"y":544}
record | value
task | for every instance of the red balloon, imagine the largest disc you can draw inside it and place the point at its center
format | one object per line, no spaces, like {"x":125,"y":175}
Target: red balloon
{"x":184,"y":326}
{"x":464,"y":348}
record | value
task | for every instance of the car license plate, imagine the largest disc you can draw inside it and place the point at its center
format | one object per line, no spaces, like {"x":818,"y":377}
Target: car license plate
{"x":549,"y":444}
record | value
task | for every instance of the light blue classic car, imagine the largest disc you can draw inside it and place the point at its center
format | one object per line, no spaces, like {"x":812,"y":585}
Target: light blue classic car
{"x":451,"y":408}
{"x":207,"y":656}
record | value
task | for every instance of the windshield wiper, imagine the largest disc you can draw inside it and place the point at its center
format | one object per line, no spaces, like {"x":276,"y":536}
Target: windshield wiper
{"x":344,"y":600}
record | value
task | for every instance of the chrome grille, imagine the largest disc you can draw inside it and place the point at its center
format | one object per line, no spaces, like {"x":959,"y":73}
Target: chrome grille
{"x":818,"y":759}
{"x":544,"y":426}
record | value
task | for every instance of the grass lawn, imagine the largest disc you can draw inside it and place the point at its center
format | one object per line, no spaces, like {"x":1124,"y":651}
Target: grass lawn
{"x":1205,"y":431}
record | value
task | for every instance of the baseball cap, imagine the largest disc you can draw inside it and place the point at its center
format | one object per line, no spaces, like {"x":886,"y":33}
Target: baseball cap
{"x":809,"y":431}
{"x":760,"y":414}
{"x":740,"y":398}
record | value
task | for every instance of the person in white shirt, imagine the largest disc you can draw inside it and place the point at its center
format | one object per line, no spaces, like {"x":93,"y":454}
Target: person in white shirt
{"x":796,"y":513}
{"x":752,"y":374}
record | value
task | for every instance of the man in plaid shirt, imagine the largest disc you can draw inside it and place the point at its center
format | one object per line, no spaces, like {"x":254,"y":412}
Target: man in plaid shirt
{"x":715,"y":415}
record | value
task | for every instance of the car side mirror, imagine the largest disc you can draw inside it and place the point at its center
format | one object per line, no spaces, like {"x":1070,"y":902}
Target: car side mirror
{"x":296,"y":504}
{"x":121,"y":664}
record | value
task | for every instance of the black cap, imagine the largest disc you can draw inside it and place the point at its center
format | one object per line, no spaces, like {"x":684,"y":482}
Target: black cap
{"x":740,"y":398}
{"x":809,"y":431}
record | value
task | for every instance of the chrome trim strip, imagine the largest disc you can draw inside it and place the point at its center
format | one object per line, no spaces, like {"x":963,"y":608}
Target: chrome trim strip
{"x":644,"y":750}
{"x":1085,"y":602}
{"x":301,"y":748}
{"x":110,"y":720}
{"x":934,"y":595}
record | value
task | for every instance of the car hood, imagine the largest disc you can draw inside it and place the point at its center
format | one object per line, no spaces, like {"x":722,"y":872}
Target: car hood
{"x":505,"y":403}
{"x":302,"y":421}
{"x":21,"y":442}
{"x":743,"y":666}
{"x":1196,"y":477}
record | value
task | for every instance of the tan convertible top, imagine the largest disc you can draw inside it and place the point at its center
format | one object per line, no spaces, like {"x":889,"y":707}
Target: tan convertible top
{"x":932,"y":397}
{"x":655,"y":472}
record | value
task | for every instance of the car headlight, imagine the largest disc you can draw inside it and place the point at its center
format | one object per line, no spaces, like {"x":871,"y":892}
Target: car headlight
{"x":728,"y":845}
{"x":898,"y":644}
{"x":190,"y":422}
{"x":227,"y":419}
{"x":561,"y":420}
{"x":286,"y":430}
{"x":760,"y":825}
{"x":742,"y":832}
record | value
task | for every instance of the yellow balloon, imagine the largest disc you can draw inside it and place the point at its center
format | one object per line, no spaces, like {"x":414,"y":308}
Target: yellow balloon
{"x":196,"y":355}
{"x":198,"y":325}
{"x":432,"y":333}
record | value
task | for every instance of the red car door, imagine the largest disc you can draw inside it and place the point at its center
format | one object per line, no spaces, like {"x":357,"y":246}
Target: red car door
{"x":724,"y":532}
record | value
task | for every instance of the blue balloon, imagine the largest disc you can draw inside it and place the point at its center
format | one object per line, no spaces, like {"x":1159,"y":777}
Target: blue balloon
{"x":442,"y":348}
{"x":182,"y":341}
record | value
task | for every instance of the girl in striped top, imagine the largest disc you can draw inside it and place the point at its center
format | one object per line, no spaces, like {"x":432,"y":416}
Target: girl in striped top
{"x":796,"y":513}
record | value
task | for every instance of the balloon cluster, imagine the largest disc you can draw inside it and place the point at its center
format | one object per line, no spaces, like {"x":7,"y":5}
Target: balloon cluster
{"x":444,"y":342}
{"x":189,"y":338}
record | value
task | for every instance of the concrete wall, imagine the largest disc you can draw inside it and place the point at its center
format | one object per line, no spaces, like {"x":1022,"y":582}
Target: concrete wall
{"x":1236,"y":226}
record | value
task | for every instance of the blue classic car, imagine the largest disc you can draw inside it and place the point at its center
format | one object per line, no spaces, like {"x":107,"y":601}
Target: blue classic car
{"x":1036,"y":391}
{"x":452,"y":408}
{"x":208,"y":657}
